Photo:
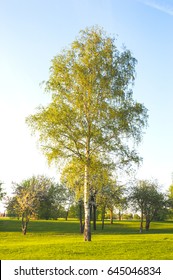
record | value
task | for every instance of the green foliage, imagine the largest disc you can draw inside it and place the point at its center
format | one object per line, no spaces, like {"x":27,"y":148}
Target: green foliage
{"x":136,"y":217}
{"x":74,"y":211}
{"x":53,"y":201}
{"x":73,"y":177}
{"x":109,"y":195}
{"x":169,"y":202}
{"x":12,"y":207}
{"x":127,"y":216}
{"x":2,"y":193}
{"x":91,"y":101}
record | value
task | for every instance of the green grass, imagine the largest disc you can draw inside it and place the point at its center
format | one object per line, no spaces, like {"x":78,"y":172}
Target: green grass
{"x":61,"y":240}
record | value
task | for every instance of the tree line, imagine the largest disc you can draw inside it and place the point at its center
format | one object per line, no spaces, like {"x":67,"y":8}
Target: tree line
{"x":41,"y":197}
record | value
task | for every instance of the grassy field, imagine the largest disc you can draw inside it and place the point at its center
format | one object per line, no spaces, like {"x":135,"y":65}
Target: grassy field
{"x":61,"y":240}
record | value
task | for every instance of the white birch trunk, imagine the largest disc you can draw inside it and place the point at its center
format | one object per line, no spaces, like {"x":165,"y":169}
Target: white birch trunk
{"x":87,"y":229}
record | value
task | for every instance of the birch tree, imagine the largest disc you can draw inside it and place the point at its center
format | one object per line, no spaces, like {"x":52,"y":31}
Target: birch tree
{"x":92,"y":110}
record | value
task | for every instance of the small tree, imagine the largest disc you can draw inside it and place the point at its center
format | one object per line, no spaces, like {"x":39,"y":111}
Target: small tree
{"x":26,"y":202}
{"x":146,"y":198}
{"x":108,"y":196}
{"x":53,"y":198}
{"x":121,"y":206}
{"x":2,"y":193}
{"x":170,"y":200}
{"x":36,"y":197}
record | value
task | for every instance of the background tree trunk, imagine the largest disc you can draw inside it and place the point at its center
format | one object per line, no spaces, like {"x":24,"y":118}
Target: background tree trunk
{"x":119,"y":215}
{"x":103,"y":216}
{"x":66,"y":216}
{"x":94,"y":216}
{"x":111,"y":216}
{"x":80,"y":217}
{"x":141,"y":223}
{"x":147,"y":225}
{"x":25,"y":221}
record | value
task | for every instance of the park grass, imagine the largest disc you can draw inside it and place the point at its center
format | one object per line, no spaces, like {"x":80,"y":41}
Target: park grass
{"x":61,"y":240}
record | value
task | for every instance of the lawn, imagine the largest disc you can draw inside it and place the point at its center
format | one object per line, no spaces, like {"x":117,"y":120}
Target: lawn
{"x":61,"y":240}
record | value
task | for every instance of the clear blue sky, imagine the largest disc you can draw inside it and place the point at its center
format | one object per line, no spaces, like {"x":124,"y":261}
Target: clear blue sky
{"x":32,"y":32}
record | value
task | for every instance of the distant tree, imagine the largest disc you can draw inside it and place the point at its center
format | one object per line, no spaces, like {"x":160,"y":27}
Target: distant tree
{"x":108,"y":196}
{"x":54,"y":201}
{"x":45,"y":202}
{"x":2,"y":193}
{"x":146,"y":198}
{"x":136,"y":217}
{"x":127,"y":216}
{"x":26,"y":201}
{"x":38,"y":197}
{"x":12,"y":207}
{"x":122,"y":203}
{"x":170,"y":200}
{"x":92,"y":109}
{"x":65,"y":198}
{"x":74,"y":211}
{"x":170,"y":191}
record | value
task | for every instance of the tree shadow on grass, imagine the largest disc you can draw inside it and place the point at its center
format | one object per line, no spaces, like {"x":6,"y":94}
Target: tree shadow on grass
{"x":39,"y":226}
{"x":127,"y":227}
{"x":72,"y":227}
